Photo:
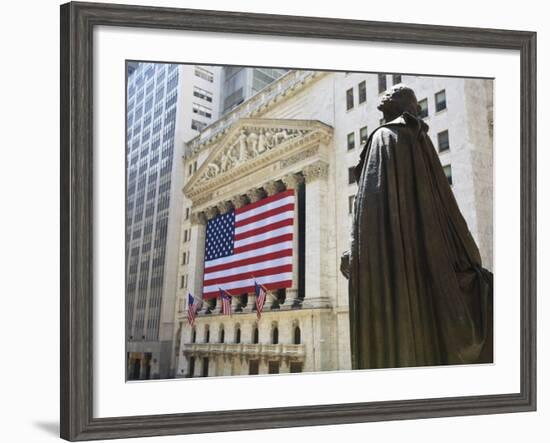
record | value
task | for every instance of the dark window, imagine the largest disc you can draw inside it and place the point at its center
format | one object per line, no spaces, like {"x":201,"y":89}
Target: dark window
{"x":443,"y":141}
{"x":296,"y":367}
{"x":297,"y":335}
{"x":207,"y":335}
{"x":275,"y":336}
{"x":423,"y":108}
{"x":363,"y":135}
{"x":205,"y":367}
{"x":349,"y":99}
{"x":193,"y":335}
{"x":238,"y":335}
{"x":253,"y":367}
{"x":191,"y":369}
{"x":351,"y":200}
{"x":273,"y":367}
{"x":351,"y":175}
{"x":382,"y":85}
{"x":440,"y":101}
{"x":448,"y":173}
{"x":351,"y":141}
{"x":362,"y":92}
{"x":222,"y":335}
{"x":396,"y":78}
{"x":256,"y":336}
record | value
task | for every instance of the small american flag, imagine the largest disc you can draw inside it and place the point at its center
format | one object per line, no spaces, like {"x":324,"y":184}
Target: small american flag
{"x":191,"y":309}
{"x":248,"y":244}
{"x":226,"y":302}
{"x":261,"y":294}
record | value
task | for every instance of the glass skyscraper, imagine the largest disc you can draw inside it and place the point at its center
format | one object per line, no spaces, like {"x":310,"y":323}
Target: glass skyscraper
{"x":159,"y":119}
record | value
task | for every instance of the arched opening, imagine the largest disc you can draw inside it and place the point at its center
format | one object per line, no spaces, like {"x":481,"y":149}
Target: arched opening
{"x":237,"y":334}
{"x":275,"y":335}
{"x":222,"y":334}
{"x":207,"y":334}
{"x":297,"y":335}
{"x":255,"y":335}
{"x":193,"y":335}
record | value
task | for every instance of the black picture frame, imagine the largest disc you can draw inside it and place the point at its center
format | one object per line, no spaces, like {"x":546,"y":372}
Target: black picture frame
{"x":77,"y":23}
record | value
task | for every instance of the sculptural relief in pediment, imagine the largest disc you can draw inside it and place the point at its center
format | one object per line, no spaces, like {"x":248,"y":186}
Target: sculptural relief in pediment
{"x":250,"y":143}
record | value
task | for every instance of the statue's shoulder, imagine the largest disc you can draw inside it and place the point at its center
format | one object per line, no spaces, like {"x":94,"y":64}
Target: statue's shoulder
{"x":405,"y":123}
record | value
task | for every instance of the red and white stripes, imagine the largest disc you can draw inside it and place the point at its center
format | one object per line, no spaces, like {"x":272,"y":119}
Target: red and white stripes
{"x":262,"y":249}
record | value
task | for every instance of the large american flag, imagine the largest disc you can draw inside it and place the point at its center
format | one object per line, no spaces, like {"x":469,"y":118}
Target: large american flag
{"x":248,"y":244}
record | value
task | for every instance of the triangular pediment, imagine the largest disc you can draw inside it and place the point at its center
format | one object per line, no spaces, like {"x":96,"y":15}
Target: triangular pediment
{"x":252,"y":142}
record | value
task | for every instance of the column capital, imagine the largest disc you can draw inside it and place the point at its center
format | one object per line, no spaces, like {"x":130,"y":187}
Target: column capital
{"x":198,"y":218}
{"x":316,"y":170}
{"x":255,"y":194}
{"x":211,"y":212}
{"x":238,"y":201}
{"x":224,"y":207}
{"x":273,"y":187}
{"x":291,"y":181}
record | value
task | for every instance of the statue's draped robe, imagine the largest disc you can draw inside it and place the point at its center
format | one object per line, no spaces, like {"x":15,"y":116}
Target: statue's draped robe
{"x":418,"y":293}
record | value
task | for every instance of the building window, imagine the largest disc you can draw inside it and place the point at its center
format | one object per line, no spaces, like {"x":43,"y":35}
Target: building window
{"x":423,"y":104}
{"x":363,"y":135}
{"x":205,"y":367}
{"x":190,"y":169}
{"x":275,"y":335}
{"x":396,"y":79}
{"x":256,"y":335}
{"x":448,"y":173}
{"x":191,"y":370}
{"x":351,"y":175}
{"x":207,"y":334}
{"x":187,"y":211}
{"x":273,"y":367}
{"x":222,"y":334}
{"x":443,"y":141}
{"x":253,"y":367}
{"x":202,"y":93}
{"x":363,"y":91}
{"x":182,"y":282}
{"x":198,"y":125}
{"x":195,"y":166}
{"x":351,"y":141}
{"x":440,"y":101}
{"x":297,"y":335}
{"x":193,"y":335}
{"x":296,"y":367}
{"x":351,"y":200}
{"x":199,"y":109}
{"x":183,"y":258}
{"x":238,"y":334}
{"x":204,"y":74}
{"x":349,"y":99}
{"x":382,"y":85}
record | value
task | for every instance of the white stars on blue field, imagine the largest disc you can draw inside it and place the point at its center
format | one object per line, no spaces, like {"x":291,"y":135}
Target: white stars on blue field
{"x":220,"y":235}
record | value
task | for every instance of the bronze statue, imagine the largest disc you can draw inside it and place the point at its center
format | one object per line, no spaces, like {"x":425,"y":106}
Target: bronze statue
{"x":418,"y":293}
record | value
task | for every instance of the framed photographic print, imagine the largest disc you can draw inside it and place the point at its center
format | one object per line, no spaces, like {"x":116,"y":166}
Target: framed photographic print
{"x":242,"y":213}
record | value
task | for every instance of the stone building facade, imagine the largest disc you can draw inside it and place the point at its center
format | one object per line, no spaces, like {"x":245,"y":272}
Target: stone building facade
{"x":304,"y":132}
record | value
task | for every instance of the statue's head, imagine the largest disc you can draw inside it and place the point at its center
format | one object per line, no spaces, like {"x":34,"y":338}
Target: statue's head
{"x":397,"y":100}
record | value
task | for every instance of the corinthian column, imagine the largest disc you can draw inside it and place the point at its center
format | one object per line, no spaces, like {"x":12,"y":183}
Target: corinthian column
{"x":317,"y":232}
{"x":196,"y":253}
{"x":292,"y":181}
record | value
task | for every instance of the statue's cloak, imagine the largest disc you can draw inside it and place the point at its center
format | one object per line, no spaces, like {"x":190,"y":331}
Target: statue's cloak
{"x":418,"y":293}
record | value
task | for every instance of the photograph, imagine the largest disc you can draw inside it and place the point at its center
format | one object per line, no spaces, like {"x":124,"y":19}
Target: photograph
{"x":282,"y":220}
